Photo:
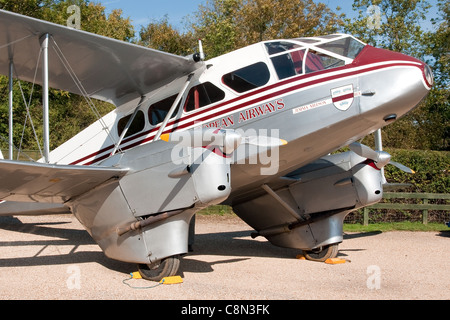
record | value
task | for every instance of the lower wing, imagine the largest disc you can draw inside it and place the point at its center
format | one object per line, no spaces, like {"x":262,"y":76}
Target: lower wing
{"x":14,"y":208}
{"x":48,"y":183}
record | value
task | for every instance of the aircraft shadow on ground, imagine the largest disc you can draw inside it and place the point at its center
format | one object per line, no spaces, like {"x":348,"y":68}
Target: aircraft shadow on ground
{"x":236,"y":244}
{"x":63,"y":237}
{"x":239,"y":244}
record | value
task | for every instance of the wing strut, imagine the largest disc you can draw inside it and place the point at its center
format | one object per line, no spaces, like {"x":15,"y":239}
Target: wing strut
{"x":11,"y":135}
{"x":125,"y":130}
{"x":44,"y":44}
{"x":173,"y":107}
{"x":291,"y":210}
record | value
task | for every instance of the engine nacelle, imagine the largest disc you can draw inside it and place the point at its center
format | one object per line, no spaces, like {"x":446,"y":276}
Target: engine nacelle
{"x":308,"y":211}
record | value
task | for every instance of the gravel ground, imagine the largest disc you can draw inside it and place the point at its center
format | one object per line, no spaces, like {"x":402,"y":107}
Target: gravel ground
{"x":52,"y":257}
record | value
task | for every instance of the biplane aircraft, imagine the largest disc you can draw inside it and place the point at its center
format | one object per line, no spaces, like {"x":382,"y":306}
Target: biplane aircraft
{"x":254,"y":129}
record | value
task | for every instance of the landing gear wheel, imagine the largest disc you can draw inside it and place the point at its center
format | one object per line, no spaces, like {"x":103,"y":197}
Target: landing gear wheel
{"x":157,"y":270}
{"x":323,"y":253}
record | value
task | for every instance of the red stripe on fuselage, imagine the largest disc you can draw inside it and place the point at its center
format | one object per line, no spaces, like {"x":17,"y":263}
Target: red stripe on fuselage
{"x":346,"y":72}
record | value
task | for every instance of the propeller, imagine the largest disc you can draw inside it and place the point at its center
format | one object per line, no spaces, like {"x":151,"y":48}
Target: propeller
{"x":227,"y":140}
{"x":381,"y":158}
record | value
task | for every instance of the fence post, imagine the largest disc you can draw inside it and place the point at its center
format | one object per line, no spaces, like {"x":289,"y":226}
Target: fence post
{"x":425,"y":212}
{"x":366,"y":216}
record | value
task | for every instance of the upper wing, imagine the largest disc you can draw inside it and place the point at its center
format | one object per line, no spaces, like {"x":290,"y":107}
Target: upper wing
{"x":38,"y":182}
{"x":109,"y":70}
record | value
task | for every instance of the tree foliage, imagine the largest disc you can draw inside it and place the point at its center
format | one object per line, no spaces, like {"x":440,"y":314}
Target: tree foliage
{"x":396,"y":25}
{"x":162,"y":36}
{"x":390,"y":24}
{"x":69,"y":113}
{"x":226,"y":25}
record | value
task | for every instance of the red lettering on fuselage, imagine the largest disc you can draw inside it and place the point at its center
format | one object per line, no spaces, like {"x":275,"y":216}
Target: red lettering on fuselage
{"x":261,"y":110}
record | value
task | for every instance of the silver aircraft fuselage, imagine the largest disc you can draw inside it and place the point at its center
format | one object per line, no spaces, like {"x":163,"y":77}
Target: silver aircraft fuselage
{"x":318,"y":94}
{"x":316,"y":112}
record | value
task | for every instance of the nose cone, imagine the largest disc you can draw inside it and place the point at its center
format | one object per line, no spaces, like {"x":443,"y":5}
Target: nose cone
{"x":428,"y":75}
{"x":397,"y":83}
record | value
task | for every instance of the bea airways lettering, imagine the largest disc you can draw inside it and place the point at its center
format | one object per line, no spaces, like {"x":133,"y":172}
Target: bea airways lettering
{"x":261,"y":110}
{"x":252,"y":113}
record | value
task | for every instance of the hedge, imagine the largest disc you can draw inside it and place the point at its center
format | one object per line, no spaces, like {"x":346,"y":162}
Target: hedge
{"x":432,"y":170}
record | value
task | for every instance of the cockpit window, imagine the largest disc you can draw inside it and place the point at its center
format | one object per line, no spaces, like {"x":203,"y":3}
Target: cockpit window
{"x":280,"y":46}
{"x":312,"y":54}
{"x":346,"y":47}
{"x":289,"y":64}
{"x":308,"y":40}
{"x":316,"y":61}
{"x":247,"y":78}
{"x":203,"y":95}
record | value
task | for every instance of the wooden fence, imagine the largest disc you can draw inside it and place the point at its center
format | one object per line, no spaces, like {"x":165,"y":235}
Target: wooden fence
{"x":399,"y":205}
{"x":424,"y":206}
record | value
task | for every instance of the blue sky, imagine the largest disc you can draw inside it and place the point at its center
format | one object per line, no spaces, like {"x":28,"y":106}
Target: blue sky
{"x":142,"y":12}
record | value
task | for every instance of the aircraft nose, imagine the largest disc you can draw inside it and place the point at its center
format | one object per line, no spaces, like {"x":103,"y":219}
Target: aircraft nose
{"x":396,"y":84}
{"x":428,"y":74}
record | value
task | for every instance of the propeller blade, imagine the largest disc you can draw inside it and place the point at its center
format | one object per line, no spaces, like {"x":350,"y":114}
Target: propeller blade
{"x":381,"y":158}
{"x":226,"y":140}
{"x":363,"y":151}
{"x":402,"y":167}
{"x":264,"y":141}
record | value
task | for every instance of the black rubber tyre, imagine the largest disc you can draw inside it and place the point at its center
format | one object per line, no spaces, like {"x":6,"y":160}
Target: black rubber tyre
{"x":322,"y":253}
{"x":157,"y":270}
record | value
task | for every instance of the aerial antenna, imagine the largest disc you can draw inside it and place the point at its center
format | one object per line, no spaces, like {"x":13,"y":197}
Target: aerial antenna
{"x":200,"y":50}
{"x":200,"y":55}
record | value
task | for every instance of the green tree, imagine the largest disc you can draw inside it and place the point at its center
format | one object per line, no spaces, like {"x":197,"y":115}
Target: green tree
{"x":162,"y":36}
{"x":396,"y":25}
{"x":226,"y":25}
{"x":69,"y":113}
{"x":437,"y":45}
{"x":390,"y":24}
{"x":215,"y":23}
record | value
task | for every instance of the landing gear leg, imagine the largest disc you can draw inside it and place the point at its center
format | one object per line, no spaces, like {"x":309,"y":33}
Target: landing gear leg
{"x":157,"y":270}
{"x":323,"y":253}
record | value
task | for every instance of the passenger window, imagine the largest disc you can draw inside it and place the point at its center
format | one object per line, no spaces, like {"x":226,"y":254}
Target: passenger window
{"x":289,"y":64}
{"x":159,"y":110}
{"x":136,"y":126}
{"x":203,"y":95}
{"x":247,"y":78}
{"x":316,"y":61}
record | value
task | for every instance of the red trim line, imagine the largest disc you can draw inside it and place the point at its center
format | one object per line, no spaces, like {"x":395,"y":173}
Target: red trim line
{"x":248,"y":103}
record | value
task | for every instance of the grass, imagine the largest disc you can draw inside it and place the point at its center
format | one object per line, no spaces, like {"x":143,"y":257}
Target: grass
{"x":352,"y":227}
{"x":395,"y":226}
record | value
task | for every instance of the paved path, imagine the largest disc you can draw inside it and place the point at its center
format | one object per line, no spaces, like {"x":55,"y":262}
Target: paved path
{"x":52,"y":257}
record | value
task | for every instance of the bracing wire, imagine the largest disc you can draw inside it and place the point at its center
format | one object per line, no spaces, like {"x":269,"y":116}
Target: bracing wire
{"x":27,"y":107}
{"x":28,"y":115}
{"x":81,"y":88}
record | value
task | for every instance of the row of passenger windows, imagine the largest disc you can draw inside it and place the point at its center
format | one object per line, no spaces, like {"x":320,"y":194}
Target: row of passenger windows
{"x":198,"y":97}
{"x":241,"y":80}
{"x":289,"y":59}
